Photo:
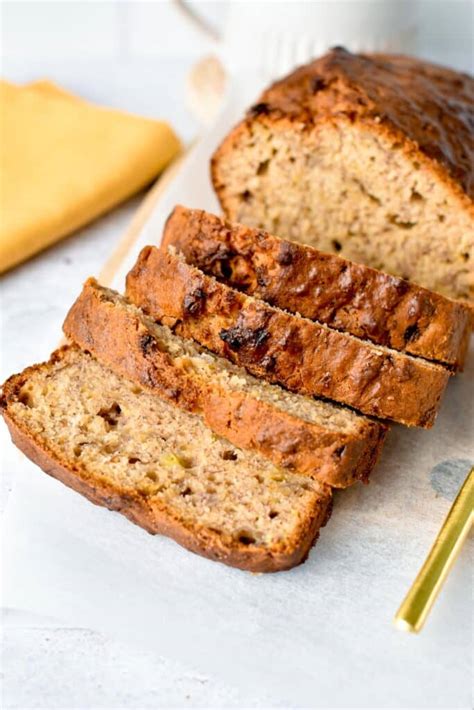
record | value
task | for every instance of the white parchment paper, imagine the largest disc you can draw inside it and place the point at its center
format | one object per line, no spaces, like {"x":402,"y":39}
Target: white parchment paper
{"x":319,"y":635}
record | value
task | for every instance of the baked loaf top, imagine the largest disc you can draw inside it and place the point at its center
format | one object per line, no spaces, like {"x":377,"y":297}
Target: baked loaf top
{"x":130,"y":451}
{"x":302,"y":355}
{"x":369,"y":157}
{"x":430,"y":105}
{"x":313,"y":437}
{"x":349,"y":297}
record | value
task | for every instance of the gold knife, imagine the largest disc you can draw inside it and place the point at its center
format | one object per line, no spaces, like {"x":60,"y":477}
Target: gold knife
{"x":421,"y":596}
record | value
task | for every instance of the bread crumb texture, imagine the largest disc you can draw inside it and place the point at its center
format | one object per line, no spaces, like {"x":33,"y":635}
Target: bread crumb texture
{"x":115,"y":433}
{"x":373,"y":156}
{"x":209,"y":367}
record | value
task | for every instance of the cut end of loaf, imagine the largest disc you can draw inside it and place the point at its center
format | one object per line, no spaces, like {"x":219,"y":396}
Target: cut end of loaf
{"x":131,"y":451}
{"x":353,"y":189}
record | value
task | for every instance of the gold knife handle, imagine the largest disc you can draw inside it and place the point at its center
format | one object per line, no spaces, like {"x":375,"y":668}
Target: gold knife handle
{"x":416,"y":606}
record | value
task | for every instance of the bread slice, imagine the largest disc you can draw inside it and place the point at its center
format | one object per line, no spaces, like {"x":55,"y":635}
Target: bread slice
{"x":349,"y":297}
{"x":131,"y":451}
{"x":313,"y":437}
{"x":367,"y":156}
{"x":302,"y":355}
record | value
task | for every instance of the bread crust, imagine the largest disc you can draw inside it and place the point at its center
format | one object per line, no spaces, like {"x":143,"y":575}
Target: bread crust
{"x":148,"y":513}
{"x":426,"y":109}
{"x":300,"y":354}
{"x":350,"y":297}
{"x":119,"y":339}
{"x":420,"y":112}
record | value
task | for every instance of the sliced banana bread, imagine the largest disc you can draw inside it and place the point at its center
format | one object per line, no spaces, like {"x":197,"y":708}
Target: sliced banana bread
{"x":304,"y":356}
{"x":368,"y":156}
{"x":324,"y":287}
{"x":313,"y":437}
{"x":131,"y":451}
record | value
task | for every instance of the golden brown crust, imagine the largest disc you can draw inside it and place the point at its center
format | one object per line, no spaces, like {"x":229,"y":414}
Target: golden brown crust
{"x":118,"y":338}
{"x":148,"y":512}
{"x":428,"y":108}
{"x":302,"y":355}
{"x":349,"y":297}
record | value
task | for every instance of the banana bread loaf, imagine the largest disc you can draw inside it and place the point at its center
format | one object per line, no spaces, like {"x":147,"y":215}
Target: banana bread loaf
{"x":324,"y":287}
{"x":302,"y":355}
{"x":368,"y":156}
{"x":132,"y":452}
{"x":313,"y":437}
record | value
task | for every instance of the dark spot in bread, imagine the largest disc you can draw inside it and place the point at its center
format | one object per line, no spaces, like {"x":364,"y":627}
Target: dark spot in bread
{"x":260,"y":336}
{"x":259,"y":109}
{"x":147,"y":343}
{"x":110,"y":414}
{"x":232,"y":337}
{"x":401,"y":285}
{"x":351,"y":115}
{"x":317,"y":84}
{"x":193,"y":301}
{"x":339,"y":452}
{"x":246,"y":539}
{"x":225,"y":269}
{"x":411,"y":333}
{"x":25,"y":398}
{"x":229,"y":455}
{"x":398,"y":222}
{"x":246,"y":196}
{"x":286,"y":254}
{"x":241,"y":336}
{"x":263,"y":167}
{"x":416,"y":196}
{"x":210,"y":253}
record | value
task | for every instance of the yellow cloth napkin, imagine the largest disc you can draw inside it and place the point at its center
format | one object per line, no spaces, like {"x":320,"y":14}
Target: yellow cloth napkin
{"x":64,"y":162}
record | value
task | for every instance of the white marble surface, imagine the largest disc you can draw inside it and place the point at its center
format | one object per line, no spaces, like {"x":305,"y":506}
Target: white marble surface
{"x":77,"y":668}
{"x":135,"y":59}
